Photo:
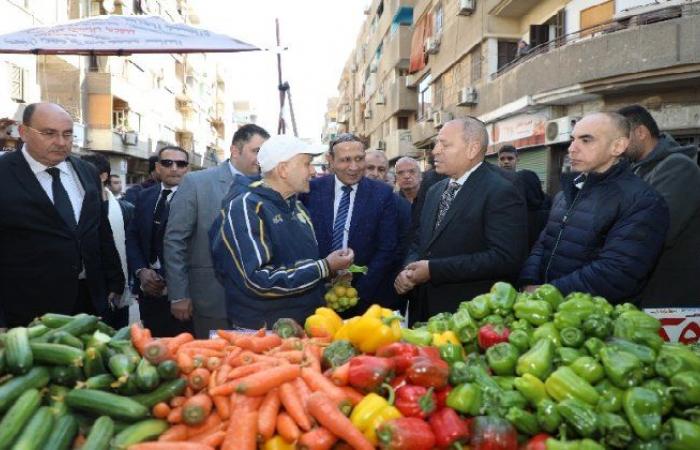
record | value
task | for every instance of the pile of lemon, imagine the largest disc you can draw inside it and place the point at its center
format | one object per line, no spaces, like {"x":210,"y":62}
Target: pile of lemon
{"x":341,"y":296}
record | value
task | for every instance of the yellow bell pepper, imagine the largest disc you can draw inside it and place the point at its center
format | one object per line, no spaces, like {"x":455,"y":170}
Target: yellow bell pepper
{"x":278,"y":443}
{"x":372,"y":411}
{"x":324,"y":322}
{"x":376,"y":327}
{"x":446,"y":337}
{"x":344,"y":331}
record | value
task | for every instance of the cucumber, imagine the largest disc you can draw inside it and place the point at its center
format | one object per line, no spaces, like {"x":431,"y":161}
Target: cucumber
{"x":18,"y":415}
{"x":93,"y":364}
{"x":106,"y":404}
{"x":56,"y":399}
{"x":121,"y":366}
{"x":126,"y":388}
{"x":147,"y":377}
{"x":142,"y":431}
{"x":57,"y":354}
{"x":106,"y":329}
{"x":65,"y":375}
{"x":63,"y":433}
{"x":100,"y":434}
{"x":3,"y":365}
{"x":37,"y":378}
{"x":65,"y":338}
{"x":18,"y":354}
{"x":36,"y":331}
{"x":100,"y":382}
{"x":123,"y":333}
{"x":163,"y":393}
{"x":54,"y":320}
{"x":126,"y":348}
{"x":82,"y":323}
{"x":168,"y":370}
{"x":36,"y":431}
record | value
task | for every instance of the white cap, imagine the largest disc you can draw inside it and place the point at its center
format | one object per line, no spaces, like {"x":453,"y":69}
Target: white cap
{"x":282,"y":148}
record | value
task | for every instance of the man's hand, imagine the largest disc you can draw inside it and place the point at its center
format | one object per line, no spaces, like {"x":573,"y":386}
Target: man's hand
{"x":403,"y":284}
{"x":530,"y":287}
{"x":151,"y":283}
{"x":182,"y":309}
{"x":419,"y":272}
{"x":112,"y":299}
{"x":340,"y":259}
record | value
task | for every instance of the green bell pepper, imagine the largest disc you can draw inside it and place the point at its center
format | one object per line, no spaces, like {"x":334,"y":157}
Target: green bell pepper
{"x":538,"y":360}
{"x":664,"y":391}
{"x":417,"y":336}
{"x":549,"y":294}
{"x":451,"y":353}
{"x":523,"y":421}
{"x":549,"y":331}
{"x":610,"y":397}
{"x":643,"y":410}
{"x":579,"y":304}
{"x":603,"y":307}
{"x":521,"y":324}
{"x":479,"y":307}
{"x":589,"y":369}
{"x":565,"y":356}
{"x":571,"y":337}
{"x":532,"y":388}
{"x":597,"y":325}
{"x":622,"y":368}
{"x":647,"y":445}
{"x":507,"y":383}
{"x":675,"y":358}
{"x":502,"y":358}
{"x":679,"y":434}
{"x":502,"y":298}
{"x":584,"y":444}
{"x":463,"y":325}
{"x":580,"y":416}
{"x":536,"y":312}
{"x":547,"y":416}
{"x":621,"y":308}
{"x":645,"y":354}
{"x":439,"y":323}
{"x":615,"y":430}
{"x":563,"y":320}
{"x":478,"y":374}
{"x":493,"y":319}
{"x":593,"y":346}
{"x":520,"y":340}
{"x":565,"y":384}
{"x":639,"y":327}
{"x":688,"y":384}
{"x":465,"y":398}
{"x":459,"y":373}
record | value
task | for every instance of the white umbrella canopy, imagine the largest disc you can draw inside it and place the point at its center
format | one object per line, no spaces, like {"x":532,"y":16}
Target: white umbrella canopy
{"x":119,"y":35}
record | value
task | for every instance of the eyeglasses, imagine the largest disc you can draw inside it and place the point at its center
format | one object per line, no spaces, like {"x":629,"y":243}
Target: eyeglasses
{"x":52,"y":134}
{"x":170,"y":162}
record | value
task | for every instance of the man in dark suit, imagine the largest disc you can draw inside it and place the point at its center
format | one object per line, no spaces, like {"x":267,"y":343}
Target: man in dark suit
{"x":144,"y":243}
{"x":349,"y":210}
{"x":472,"y":230}
{"x":56,"y":248}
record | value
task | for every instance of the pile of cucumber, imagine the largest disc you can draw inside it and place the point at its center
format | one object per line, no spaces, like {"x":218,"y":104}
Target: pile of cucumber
{"x":67,"y":375}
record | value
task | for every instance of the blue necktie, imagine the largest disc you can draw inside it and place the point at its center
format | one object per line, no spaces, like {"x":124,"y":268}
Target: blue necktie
{"x":340,"y":218}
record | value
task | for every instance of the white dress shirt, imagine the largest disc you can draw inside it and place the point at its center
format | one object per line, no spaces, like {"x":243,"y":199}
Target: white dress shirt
{"x":336,"y":202}
{"x":156,"y":265}
{"x":234,"y":171}
{"x":463,"y":179}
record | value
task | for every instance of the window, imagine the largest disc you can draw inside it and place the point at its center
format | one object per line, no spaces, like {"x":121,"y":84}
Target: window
{"x":437,"y":17}
{"x":476,"y":64}
{"x":119,"y":119}
{"x":425,"y":97}
{"x":402,"y":123}
{"x":506,"y":52}
{"x":437,"y":93}
{"x":16,"y":75}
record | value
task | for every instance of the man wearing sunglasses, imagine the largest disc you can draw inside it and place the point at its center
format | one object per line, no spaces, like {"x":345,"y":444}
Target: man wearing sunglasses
{"x":144,"y":243}
{"x":57,"y":253}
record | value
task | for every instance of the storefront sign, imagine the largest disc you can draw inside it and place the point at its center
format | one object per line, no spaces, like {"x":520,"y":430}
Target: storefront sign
{"x":525,"y":130}
{"x":678,"y":324}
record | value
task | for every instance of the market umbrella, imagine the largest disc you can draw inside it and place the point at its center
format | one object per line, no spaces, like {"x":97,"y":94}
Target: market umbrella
{"x":119,"y":35}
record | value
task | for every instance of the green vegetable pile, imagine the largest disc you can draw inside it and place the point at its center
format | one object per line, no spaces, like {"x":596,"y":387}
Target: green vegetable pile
{"x":69,"y":375}
{"x":589,"y":374}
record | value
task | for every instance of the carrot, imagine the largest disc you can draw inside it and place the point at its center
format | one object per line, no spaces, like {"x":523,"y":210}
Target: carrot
{"x":185,"y":362}
{"x":242,"y":432}
{"x":293,"y":356}
{"x":267,"y":414}
{"x":339,"y":375}
{"x":212,"y":422}
{"x":204,"y":353}
{"x":175,"y":342}
{"x":212,"y":380}
{"x":196,"y":409}
{"x":161,"y":410}
{"x":302,"y":390}
{"x":170,"y":446}
{"x":317,"y":439}
{"x":318,"y":382}
{"x":311,"y":359}
{"x":222,"y":374}
{"x":177,"y":401}
{"x":260,"y":382}
{"x":326,"y":413}
{"x":175,"y":415}
{"x":230,"y":336}
{"x":287,"y":427}
{"x":293,"y":405}
{"x":352,"y":394}
{"x":156,"y":351}
{"x":198,"y":379}
{"x":140,"y":337}
{"x":248,"y":369}
{"x":211,"y":344}
{"x":292,"y":343}
{"x":264,"y":343}
{"x":214,"y":438}
{"x":248,"y":357}
{"x":222,"y":405}
{"x":189,"y":392}
{"x":232,"y":355}
{"x":174,"y":433}
{"x":214,"y":363}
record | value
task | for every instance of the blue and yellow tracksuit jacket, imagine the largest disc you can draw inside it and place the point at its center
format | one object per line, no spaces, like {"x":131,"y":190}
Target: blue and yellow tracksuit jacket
{"x":265,"y":254}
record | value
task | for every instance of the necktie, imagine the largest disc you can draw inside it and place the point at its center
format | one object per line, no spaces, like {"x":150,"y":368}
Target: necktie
{"x":340,"y":218}
{"x":445,"y":200}
{"x":60,"y":198}
{"x":158,"y":229}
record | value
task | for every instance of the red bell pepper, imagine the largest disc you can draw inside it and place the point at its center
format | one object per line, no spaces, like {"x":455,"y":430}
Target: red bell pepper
{"x":368,"y":373}
{"x":401,"y":353}
{"x":441,"y":396}
{"x":399,"y":381}
{"x":428,"y":372}
{"x":537,"y":442}
{"x":415,"y":401}
{"x":432,"y":353}
{"x":406,"y":433}
{"x":448,"y":427}
{"x":491,"y":334}
{"x":492,"y":433}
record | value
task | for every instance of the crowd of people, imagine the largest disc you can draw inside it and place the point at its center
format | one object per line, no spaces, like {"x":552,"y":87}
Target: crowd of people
{"x":260,"y":236}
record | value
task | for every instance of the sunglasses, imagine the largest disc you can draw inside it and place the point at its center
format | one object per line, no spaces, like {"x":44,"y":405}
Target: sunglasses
{"x":170,"y":162}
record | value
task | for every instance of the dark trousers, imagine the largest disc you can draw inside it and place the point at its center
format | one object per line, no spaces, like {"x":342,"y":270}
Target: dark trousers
{"x":156,"y":316}
{"x":83,"y":304}
{"x":116,"y":318}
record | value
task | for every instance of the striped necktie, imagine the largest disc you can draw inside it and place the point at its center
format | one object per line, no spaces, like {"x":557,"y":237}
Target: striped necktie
{"x":340,"y":218}
{"x":445,"y":201}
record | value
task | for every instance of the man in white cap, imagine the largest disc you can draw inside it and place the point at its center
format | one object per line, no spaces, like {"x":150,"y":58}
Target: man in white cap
{"x":264,"y":248}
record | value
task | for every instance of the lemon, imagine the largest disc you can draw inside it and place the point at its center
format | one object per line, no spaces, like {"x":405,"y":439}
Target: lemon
{"x":330,"y":297}
{"x":340,"y":291}
{"x":351,"y":292}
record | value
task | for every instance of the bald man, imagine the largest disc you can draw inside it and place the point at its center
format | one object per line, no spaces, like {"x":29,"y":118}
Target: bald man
{"x":607,"y":227}
{"x":408,"y":177}
{"x":376,"y":165}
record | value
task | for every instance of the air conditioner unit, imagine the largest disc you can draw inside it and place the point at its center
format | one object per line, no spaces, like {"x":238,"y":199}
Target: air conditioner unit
{"x":432,"y":45}
{"x":559,"y":130}
{"x":379,"y":99}
{"x":440,"y":118}
{"x":467,"y":96}
{"x":368,"y":113}
{"x":130,"y":138}
{"x":466,"y":7}
{"x":381,"y":145}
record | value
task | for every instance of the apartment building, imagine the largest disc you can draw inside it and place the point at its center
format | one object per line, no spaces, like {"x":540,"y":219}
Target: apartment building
{"x":460,"y":57}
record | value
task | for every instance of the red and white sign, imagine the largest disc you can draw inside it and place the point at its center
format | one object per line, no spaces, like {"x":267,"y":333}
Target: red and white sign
{"x":525,"y":130}
{"x":678,"y":324}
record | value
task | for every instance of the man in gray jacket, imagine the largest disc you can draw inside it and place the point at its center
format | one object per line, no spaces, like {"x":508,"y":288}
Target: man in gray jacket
{"x":672,"y":170}
{"x":193,"y":289}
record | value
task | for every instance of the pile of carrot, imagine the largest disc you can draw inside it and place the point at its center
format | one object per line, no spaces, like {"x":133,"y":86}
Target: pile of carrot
{"x":244,"y":390}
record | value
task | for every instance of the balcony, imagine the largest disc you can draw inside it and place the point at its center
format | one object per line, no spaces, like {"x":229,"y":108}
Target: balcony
{"x":401,"y":98}
{"x":99,"y":139}
{"x":399,"y":143}
{"x":422,"y":134}
{"x":398,"y":49}
{"x":513,"y":8}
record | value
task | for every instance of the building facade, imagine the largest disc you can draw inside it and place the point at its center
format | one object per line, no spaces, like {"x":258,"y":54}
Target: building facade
{"x":412,"y":72}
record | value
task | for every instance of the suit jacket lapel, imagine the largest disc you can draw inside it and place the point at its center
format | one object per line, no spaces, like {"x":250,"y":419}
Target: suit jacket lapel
{"x":90,"y":190}
{"x":327,"y":199}
{"x":225,"y":179}
{"x":361,"y":195}
{"x":150,"y":207}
